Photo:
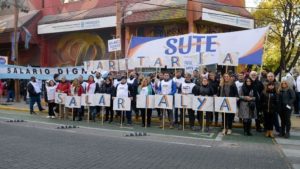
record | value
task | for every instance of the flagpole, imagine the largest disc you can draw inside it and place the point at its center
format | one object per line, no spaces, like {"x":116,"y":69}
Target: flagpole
{"x":265,"y":44}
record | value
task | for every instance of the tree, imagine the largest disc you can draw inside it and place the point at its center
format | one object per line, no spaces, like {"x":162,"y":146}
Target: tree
{"x":284,"y":18}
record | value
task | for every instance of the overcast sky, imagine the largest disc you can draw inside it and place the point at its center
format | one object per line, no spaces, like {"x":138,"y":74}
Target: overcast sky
{"x":252,"y":3}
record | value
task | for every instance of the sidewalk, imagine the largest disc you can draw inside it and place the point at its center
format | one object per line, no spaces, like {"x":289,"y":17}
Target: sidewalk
{"x":23,"y":107}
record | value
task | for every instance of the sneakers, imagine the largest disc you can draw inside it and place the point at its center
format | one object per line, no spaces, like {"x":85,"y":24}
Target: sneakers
{"x":224,"y":131}
{"x":52,"y":117}
{"x":229,"y":131}
{"x":48,"y":117}
{"x":287,"y":135}
{"x":32,"y":112}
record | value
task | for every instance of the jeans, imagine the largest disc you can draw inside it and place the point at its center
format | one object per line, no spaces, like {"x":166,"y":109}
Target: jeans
{"x":149,"y":115}
{"x":109,"y":114}
{"x":228,"y":120}
{"x":285,"y":117}
{"x":10,"y":95}
{"x":51,"y":106}
{"x":35,"y":99}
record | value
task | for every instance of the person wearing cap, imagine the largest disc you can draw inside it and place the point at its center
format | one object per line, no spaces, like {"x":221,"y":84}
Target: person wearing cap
{"x":123,"y":90}
{"x":34,"y":91}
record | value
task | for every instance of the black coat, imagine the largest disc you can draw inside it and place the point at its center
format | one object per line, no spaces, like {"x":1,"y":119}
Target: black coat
{"x":31,"y":91}
{"x":232,"y":93}
{"x":203,"y":91}
{"x":286,"y":97}
{"x":269,"y":101}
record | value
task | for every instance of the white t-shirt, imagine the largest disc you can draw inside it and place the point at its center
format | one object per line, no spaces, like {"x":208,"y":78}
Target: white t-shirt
{"x":186,"y":88}
{"x":298,"y":84}
{"x":91,"y":89}
{"x":178,"y":81}
{"x":99,"y":81}
{"x":166,"y":87}
{"x":144,"y":91}
{"x":116,"y":82}
{"x":239,"y":86}
{"x":122,"y":90}
{"x":130,"y":81}
{"x":51,"y":92}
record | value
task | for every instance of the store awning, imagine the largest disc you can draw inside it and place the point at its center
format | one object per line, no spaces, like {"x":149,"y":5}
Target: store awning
{"x":78,"y":20}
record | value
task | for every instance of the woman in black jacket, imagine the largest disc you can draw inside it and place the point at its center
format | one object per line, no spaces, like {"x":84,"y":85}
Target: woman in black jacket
{"x":269,"y":106}
{"x":203,"y":90}
{"x":108,"y":88}
{"x":286,"y":100}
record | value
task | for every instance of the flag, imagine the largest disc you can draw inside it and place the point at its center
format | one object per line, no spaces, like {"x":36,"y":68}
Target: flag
{"x":13,"y":55}
{"x":27,"y":37}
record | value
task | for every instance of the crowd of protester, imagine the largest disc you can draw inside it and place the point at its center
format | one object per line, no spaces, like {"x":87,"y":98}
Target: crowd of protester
{"x":261,"y":98}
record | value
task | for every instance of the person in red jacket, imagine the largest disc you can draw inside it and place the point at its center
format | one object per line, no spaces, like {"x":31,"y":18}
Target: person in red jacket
{"x":76,"y":90}
{"x":63,"y":87}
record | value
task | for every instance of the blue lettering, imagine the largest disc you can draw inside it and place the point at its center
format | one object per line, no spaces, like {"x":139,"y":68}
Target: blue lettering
{"x":172,"y":48}
{"x":182,"y":45}
{"x":209,"y":43}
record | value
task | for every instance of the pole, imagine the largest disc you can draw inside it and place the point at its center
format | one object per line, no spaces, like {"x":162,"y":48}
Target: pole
{"x":60,"y":112}
{"x":264,"y":52}
{"x":102,"y":114}
{"x":146,"y":111}
{"x":183,"y":117}
{"x":73,"y":114}
{"x":64,"y":113}
{"x":16,"y":21}
{"x":164,"y":119}
{"x":121,"y":119}
{"x":203,"y":121}
{"x":88,"y":119}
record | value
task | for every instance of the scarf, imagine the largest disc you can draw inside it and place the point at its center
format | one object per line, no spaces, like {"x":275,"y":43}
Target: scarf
{"x":89,"y":84}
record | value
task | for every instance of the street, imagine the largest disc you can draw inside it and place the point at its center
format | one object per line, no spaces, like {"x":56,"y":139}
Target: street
{"x":39,"y":144}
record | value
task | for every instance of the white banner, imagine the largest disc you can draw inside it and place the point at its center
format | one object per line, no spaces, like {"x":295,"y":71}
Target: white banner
{"x":122,"y":103}
{"x":203,"y":103}
{"x":164,"y":101}
{"x":73,"y":102}
{"x":102,"y":100}
{"x":246,"y":45}
{"x":87,"y":100}
{"x":145,"y":101}
{"x":183,"y":101}
{"x":226,"y":104}
{"x":60,"y":98}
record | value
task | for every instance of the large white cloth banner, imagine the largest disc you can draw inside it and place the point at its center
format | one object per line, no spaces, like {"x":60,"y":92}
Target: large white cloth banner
{"x":105,"y":65}
{"x":164,"y":101}
{"x":87,"y":100}
{"x":183,"y":101}
{"x":245,"y":45}
{"x":122,"y":103}
{"x":143,"y":101}
{"x":226,"y":104}
{"x":102,"y":100}
{"x":60,"y":98}
{"x":73,"y":102}
{"x":203,"y":103}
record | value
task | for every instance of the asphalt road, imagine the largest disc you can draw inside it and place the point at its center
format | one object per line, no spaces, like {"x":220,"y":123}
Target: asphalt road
{"x":33,"y":145}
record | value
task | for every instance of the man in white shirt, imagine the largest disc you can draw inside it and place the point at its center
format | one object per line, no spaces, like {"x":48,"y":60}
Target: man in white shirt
{"x":178,"y":79}
{"x":98,"y":78}
{"x":239,"y":83}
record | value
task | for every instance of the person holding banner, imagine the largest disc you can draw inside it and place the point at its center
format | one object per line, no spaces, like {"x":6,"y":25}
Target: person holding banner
{"x":186,"y":88}
{"x":214,"y":84}
{"x":84,"y":85}
{"x":247,"y":107}
{"x":123,"y":90}
{"x":203,"y":90}
{"x":108,"y":88}
{"x":50,"y":93}
{"x":159,"y":78}
{"x":34,"y":91}
{"x":63,"y":87}
{"x":76,"y":90}
{"x":92,"y":88}
{"x":145,"y":89}
{"x":133,"y":81}
{"x":167,"y":87}
{"x":178,"y":79}
{"x":227,"y":89}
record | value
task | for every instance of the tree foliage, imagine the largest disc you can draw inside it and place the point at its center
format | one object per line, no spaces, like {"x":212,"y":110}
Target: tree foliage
{"x":283,"y":48}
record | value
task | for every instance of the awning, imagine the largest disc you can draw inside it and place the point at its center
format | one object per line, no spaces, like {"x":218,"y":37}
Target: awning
{"x":79,"y":20}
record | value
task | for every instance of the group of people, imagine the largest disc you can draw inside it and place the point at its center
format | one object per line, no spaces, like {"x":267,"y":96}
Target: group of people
{"x":260,"y":98}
